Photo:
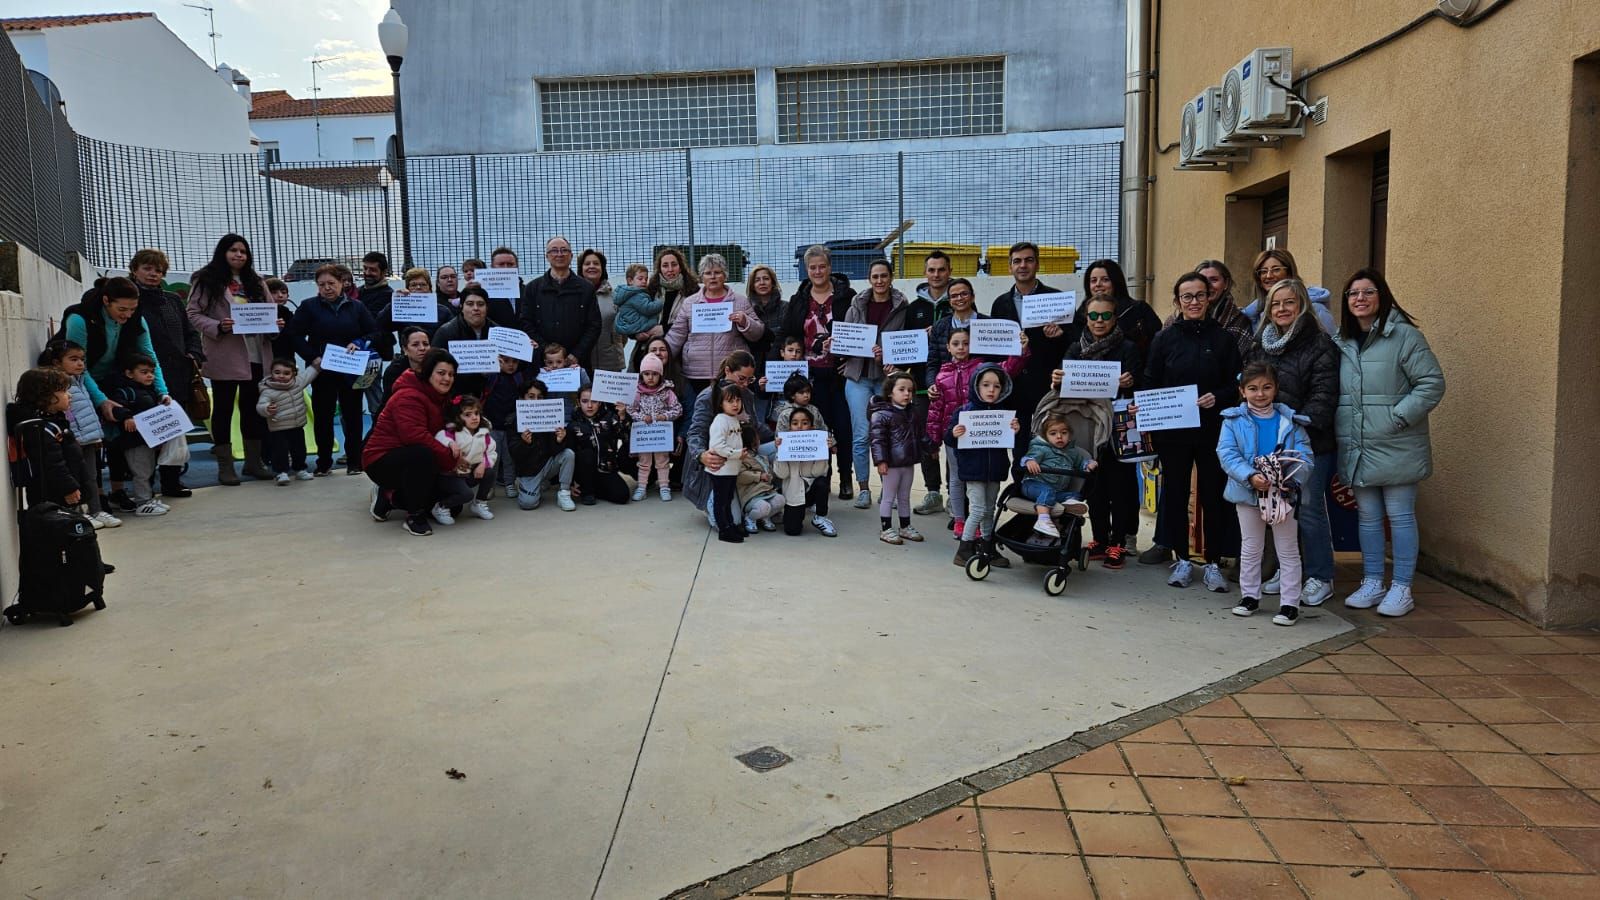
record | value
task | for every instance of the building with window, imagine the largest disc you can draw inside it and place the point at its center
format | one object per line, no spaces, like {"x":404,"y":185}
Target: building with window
{"x":291,"y":130}
{"x":1449,"y":154}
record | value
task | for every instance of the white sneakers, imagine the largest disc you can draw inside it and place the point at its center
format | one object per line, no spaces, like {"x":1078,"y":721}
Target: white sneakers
{"x":1045,"y":526}
{"x":564,"y":500}
{"x":1315,"y":592}
{"x":480,"y":508}
{"x":1182,"y":574}
{"x":1366,"y":596}
{"x":281,"y":479}
{"x":150,"y":508}
{"x":666,"y":494}
{"x":442,"y":515}
{"x":889,"y":536}
{"x":908,"y":533}
{"x":303,"y":475}
{"x":638,"y":492}
{"x":1397,"y":602}
{"x":103,"y":519}
{"x":1214,"y":579}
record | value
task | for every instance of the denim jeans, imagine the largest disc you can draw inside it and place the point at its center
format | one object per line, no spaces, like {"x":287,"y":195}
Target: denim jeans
{"x":1316,"y":536}
{"x":1043,"y":494}
{"x":559,"y":467}
{"x":858,"y":393}
{"x":1399,"y":503}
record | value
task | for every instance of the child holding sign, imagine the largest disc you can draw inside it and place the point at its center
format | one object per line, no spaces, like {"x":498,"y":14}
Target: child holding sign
{"x":71,"y":360}
{"x":501,"y":390}
{"x":945,"y":395}
{"x":805,"y":483}
{"x":896,"y":449}
{"x":982,"y":469}
{"x":135,"y":391}
{"x":727,"y":441}
{"x":475,"y":464}
{"x":561,"y":368}
{"x":539,"y":457}
{"x":656,"y":401}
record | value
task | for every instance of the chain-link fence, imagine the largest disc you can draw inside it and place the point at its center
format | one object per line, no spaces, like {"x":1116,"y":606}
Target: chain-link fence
{"x":754,"y":210}
{"x":39,"y":205}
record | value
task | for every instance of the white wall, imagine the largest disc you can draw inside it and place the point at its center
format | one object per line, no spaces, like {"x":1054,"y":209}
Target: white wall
{"x":134,"y":82}
{"x":297,"y":138}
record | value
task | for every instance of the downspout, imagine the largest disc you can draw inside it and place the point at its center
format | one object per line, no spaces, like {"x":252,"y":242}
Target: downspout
{"x":1136,"y":150}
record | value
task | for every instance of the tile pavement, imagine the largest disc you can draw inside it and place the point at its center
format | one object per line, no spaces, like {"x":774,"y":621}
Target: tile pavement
{"x":1454,"y":755}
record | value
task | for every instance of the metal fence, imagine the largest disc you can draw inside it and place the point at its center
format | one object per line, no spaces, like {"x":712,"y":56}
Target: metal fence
{"x":38,"y":167}
{"x":625,"y":203}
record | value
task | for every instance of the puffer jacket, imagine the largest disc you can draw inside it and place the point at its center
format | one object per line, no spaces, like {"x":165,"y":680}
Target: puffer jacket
{"x":413,"y":414}
{"x":171,"y":334}
{"x":598,"y":440}
{"x":229,"y":356}
{"x":1070,"y":458}
{"x":660,"y":405}
{"x":1202,"y":353}
{"x":82,"y":415}
{"x":1236,"y":449}
{"x":701,"y":354}
{"x":857,"y":367}
{"x":893,"y":434}
{"x":291,"y":400}
{"x":476,"y":446}
{"x":1387,"y":388}
{"x":51,"y":452}
{"x":637,"y":311}
{"x":952,"y":382}
{"x":990,"y":463}
{"x":1308,"y":379}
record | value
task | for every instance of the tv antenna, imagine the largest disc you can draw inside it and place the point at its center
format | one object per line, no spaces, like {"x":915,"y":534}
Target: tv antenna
{"x":211,"y":16}
{"x":316,"y":116}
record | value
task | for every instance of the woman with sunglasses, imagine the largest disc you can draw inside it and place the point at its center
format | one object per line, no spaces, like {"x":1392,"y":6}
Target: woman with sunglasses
{"x":1389,"y":381}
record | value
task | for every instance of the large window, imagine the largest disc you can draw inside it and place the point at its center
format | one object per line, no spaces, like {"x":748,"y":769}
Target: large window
{"x":647,"y":113}
{"x":906,"y":100}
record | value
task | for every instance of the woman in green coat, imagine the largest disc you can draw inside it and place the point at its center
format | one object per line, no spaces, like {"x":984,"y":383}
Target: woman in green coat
{"x":1389,"y":381}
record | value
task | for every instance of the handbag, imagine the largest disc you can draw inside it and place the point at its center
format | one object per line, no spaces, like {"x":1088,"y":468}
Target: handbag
{"x":199,"y":405}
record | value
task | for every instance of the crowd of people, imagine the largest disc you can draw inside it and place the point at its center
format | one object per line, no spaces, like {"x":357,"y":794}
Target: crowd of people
{"x":1288,"y":397}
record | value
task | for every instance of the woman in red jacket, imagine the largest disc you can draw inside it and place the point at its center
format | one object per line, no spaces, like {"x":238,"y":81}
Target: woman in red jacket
{"x":401,"y":456}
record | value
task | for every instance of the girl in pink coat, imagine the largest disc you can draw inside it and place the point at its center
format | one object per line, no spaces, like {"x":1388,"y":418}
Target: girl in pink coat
{"x":945,"y":397}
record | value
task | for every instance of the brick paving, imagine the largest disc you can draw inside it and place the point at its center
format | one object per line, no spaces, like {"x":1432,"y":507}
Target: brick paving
{"x":1455,"y":755}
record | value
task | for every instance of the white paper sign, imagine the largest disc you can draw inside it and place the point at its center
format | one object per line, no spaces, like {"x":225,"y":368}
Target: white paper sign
{"x":987,"y":429}
{"x":656,"y":438}
{"x":1164,"y":409}
{"x":502,"y":284}
{"x":254,"y":318}
{"x":803,"y":446}
{"x":1047,"y":309}
{"x":710,"y":318}
{"x":854,"y":338}
{"x":404,"y":307}
{"x":614,"y":387}
{"x":540,"y":415}
{"x":903,"y":348}
{"x":475,"y":357}
{"x":779,"y":370}
{"x":995,"y":337}
{"x":1090,"y":379}
{"x":162,"y":424}
{"x":345,"y":362}
{"x":511,"y":342}
{"x":562,"y":381}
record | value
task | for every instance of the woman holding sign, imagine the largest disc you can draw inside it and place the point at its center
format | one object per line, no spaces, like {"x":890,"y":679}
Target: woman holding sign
{"x":884,"y":308}
{"x":235,"y":363}
{"x":406,"y":463}
{"x":724,"y":323}
{"x":331,"y":317}
{"x":1389,"y":381}
{"x":1195,"y":351}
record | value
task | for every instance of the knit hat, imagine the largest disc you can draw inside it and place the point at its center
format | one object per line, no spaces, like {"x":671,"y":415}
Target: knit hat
{"x":651,"y":363}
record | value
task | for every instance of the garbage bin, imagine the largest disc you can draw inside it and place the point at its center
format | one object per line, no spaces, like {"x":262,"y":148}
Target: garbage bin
{"x":850,"y":258}
{"x":733,"y":253}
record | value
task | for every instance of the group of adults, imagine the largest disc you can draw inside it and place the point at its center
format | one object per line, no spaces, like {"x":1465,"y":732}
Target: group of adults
{"x":1365,"y":382}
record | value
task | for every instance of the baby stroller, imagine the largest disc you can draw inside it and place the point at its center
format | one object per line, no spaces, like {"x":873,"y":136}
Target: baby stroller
{"x":1017,"y":535}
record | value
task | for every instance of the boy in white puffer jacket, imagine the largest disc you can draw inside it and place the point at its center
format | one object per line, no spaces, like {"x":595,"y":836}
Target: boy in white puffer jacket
{"x":283,"y":405}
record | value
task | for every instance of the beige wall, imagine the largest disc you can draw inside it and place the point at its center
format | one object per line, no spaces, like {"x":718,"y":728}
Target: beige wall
{"x":1479,"y":126}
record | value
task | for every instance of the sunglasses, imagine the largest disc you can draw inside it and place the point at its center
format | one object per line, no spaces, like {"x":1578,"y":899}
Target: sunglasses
{"x":1099,"y":316}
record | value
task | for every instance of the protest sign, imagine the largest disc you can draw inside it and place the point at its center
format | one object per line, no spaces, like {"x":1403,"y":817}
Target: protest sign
{"x":1090,"y":379}
{"x":803,"y":446}
{"x":407,"y":307}
{"x":162,"y":423}
{"x":254,"y":318}
{"x":502,"y":284}
{"x":710,"y":318}
{"x":540,"y":415}
{"x":1164,"y":409}
{"x":779,"y":370}
{"x":904,"y":348}
{"x":614,"y":387}
{"x":655,"y":438}
{"x":995,"y":337}
{"x":1047,"y":309}
{"x":854,"y":339}
{"x":986,"y":429}
{"x":475,"y":357}
{"x":346,"y":362}
{"x":511,"y":342}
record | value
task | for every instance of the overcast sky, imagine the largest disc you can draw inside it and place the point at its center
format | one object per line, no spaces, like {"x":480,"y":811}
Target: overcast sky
{"x":272,"y":41}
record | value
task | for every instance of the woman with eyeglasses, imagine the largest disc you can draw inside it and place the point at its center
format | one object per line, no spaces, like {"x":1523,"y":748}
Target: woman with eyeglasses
{"x":1307,"y":366}
{"x":1195,"y":350}
{"x":1389,"y":381}
{"x":1219,"y":287}
{"x":1272,"y":266}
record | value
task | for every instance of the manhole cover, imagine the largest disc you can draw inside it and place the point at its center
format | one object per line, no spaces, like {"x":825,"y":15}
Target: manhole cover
{"x":764,"y":759}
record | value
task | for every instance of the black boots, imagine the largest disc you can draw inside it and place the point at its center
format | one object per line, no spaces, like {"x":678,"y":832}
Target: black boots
{"x":964,"y":552}
{"x":172,"y":483}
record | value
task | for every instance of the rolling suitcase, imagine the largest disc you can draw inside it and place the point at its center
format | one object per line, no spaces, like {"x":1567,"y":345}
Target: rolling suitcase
{"x":61,"y":567}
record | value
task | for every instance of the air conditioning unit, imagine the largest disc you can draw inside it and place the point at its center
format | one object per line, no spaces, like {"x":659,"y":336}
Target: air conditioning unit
{"x":1198,"y":144}
{"x":1256,"y":102}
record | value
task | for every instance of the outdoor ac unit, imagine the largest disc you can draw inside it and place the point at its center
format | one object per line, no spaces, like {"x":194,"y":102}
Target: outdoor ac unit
{"x":1197,"y":139}
{"x":1256,"y":102}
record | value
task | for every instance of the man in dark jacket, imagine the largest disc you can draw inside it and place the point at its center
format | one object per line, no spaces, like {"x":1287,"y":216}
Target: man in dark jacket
{"x":560,"y":305}
{"x":375,"y":292}
{"x":1047,"y":344}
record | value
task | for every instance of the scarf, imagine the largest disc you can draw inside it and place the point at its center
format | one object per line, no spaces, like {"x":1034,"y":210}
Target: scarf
{"x":1273,"y":341}
{"x":670,"y":284}
{"x":1089,"y":348}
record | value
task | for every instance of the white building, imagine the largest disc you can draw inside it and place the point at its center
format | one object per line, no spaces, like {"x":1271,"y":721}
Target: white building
{"x":333,"y":128}
{"x":126,"y":79}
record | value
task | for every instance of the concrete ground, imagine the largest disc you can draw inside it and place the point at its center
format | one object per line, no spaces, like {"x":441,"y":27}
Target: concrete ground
{"x":271,"y":703}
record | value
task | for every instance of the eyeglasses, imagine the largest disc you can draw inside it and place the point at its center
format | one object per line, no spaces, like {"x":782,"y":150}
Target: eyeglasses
{"x":1361,"y":292}
{"x":1100,"y":316}
{"x":1192,"y":298}
{"x":558,"y":251}
{"x":1271,"y":270}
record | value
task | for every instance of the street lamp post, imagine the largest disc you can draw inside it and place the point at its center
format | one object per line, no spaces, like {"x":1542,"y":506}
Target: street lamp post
{"x":392,"y":37}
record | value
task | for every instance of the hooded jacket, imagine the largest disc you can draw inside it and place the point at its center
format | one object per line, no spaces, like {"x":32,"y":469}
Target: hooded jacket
{"x":1387,"y":389}
{"x":1308,"y":378}
{"x":1319,"y":305}
{"x":952,"y":383}
{"x":893,"y":434}
{"x":637,"y":311}
{"x":53,"y":455}
{"x":290,"y":398}
{"x":1071,"y":458}
{"x":1236,"y":448}
{"x":413,"y":414}
{"x":990,"y":464}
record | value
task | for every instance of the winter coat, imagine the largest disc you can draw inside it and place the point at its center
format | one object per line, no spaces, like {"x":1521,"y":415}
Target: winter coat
{"x":283,"y":347}
{"x":391,"y":373}
{"x":1308,"y":380}
{"x":1044,"y":352}
{"x":411,"y":416}
{"x":476,"y":446}
{"x":562,"y":311}
{"x":749,"y":485}
{"x":1072,"y":458}
{"x":856,"y":368}
{"x":771,"y":313}
{"x":1201,"y":353}
{"x":106,"y":343}
{"x":952,"y":382}
{"x":1127,"y":353}
{"x":1227,"y":314}
{"x":988,"y":464}
{"x":697,"y":438}
{"x":660,"y":404}
{"x":52,"y":454}
{"x":529,"y":457}
{"x":836,"y":307}
{"x":457,"y":329}
{"x":724,"y":440}
{"x":82,"y":415}
{"x":132,"y":398}
{"x":172,"y":336}
{"x":1320,"y":296}
{"x":229,"y":356}
{"x":1387,"y":388}
{"x":290,"y":397}
{"x":1236,"y":449}
{"x":598,"y":440}
{"x":702,"y":354}
{"x":607,"y":355}
{"x":318,"y":323}
{"x":893,"y":434}
{"x":637,"y":311}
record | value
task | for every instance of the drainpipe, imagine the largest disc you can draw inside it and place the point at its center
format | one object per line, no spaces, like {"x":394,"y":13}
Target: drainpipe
{"x":1136,"y":150}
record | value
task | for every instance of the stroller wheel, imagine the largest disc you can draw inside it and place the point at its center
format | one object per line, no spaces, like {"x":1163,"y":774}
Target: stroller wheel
{"x":16,"y":615}
{"x":1055,"y":581}
{"x":1083,"y":559}
{"x":977,"y":568}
